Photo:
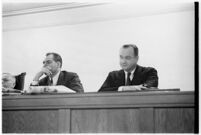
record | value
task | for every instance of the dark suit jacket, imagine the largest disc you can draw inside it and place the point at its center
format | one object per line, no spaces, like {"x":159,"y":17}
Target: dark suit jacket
{"x":19,"y":84}
{"x":142,"y":75}
{"x":68,"y":79}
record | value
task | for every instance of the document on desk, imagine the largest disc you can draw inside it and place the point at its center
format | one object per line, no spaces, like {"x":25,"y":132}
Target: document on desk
{"x":10,"y":91}
{"x":48,"y":89}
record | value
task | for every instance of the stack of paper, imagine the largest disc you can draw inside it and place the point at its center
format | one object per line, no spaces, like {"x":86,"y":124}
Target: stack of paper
{"x":48,"y":89}
{"x":10,"y":91}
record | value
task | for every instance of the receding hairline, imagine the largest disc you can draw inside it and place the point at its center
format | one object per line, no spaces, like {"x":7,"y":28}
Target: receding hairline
{"x":133,"y":46}
{"x":57,"y":57}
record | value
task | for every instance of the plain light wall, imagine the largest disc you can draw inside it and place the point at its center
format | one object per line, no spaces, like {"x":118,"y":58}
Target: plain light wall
{"x":165,"y":42}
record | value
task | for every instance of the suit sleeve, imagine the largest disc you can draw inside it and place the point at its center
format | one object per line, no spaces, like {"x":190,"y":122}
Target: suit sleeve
{"x":43,"y":82}
{"x":75,"y":84}
{"x":108,"y":85}
{"x":152,"y":78}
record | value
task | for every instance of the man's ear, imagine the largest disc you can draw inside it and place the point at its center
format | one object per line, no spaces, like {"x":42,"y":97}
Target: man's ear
{"x":14,"y":85}
{"x":137,"y":58}
{"x":59,"y":64}
{"x":14,"y":82}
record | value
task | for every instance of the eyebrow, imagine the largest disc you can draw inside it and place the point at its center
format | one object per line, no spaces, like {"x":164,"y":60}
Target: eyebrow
{"x":5,"y":79}
{"x":46,"y":61}
{"x":126,"y":56}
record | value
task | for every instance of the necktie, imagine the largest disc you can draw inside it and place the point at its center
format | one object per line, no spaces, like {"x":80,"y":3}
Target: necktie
{"x":128,"y":81}
{"x":50,"y":81}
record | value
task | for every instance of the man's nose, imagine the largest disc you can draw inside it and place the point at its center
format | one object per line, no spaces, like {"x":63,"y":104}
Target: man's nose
{"x":123,"y":61}
{"x":44,"y":65}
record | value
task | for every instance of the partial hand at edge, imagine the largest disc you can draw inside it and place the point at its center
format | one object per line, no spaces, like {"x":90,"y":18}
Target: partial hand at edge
{"x":132,"y":88}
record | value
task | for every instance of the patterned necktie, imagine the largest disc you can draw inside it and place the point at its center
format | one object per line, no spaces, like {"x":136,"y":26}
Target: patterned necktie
{"x":128,"y":81}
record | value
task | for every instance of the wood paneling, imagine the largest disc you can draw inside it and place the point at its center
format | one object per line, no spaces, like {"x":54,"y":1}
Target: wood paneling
{"x":174,"y":120}
{"x":146,"y":120}
{"x":105,"y":121}
{"x":100,"y":100}
{"x":129,"y":112}
{"x":64,"y":121}
{"x":35,"y":121}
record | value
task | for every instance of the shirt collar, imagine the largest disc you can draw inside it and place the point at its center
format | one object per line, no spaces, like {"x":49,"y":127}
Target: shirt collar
{"x":132,"y":72}
{"x":57,"y":75}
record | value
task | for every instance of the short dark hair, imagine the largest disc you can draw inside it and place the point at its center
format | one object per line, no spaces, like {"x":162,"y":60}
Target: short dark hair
{"x":135,"y":48}
{"x":57,"y":57}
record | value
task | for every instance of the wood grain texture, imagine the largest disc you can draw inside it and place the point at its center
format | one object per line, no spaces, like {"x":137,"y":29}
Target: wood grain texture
{"x":146,"y":120}
{"x":105,"y":121}
{"x":128,"y":112}
{"x":100,"y":100}
{"x":43,"y":121}
{"x":174,"y":120}
{"x":64,"y":121}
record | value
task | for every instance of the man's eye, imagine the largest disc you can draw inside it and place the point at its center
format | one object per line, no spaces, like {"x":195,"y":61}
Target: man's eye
{"x":128,"y":58}
{"x":5,"y":80}
{"x":48,"y":62}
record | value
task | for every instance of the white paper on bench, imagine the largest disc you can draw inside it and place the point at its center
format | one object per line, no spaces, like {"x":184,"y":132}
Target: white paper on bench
{"x":49,"y":89}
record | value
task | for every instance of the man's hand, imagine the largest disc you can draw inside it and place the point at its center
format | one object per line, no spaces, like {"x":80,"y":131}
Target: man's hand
{"x":133,"y":87}
{"x":44,"y":70}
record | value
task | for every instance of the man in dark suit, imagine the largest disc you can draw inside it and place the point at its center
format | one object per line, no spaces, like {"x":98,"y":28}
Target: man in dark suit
{"x":54,"y":76}
{"x":132,"y":76}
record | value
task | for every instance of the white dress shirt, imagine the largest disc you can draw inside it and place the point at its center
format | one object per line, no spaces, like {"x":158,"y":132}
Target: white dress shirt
{"x":131,"y":76}
{"x":55,"y":78}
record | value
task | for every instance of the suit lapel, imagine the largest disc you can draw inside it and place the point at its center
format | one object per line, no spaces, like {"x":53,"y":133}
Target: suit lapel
{"x":122,"y":77}
{"x":60,"y":79}
{"x":136,"y":78}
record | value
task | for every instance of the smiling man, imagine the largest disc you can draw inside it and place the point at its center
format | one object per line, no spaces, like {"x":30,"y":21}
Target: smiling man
{"x":132,"y":76}
{"x":54,"y":76}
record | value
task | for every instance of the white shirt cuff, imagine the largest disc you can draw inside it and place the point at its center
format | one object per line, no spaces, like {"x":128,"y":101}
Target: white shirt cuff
{"x":34,"y":83}
{"x":120,"y":88}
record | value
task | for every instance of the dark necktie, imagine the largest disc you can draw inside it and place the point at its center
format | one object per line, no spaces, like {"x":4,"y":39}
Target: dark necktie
{"x":50,"y":81}
{"x":128,"y":81}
